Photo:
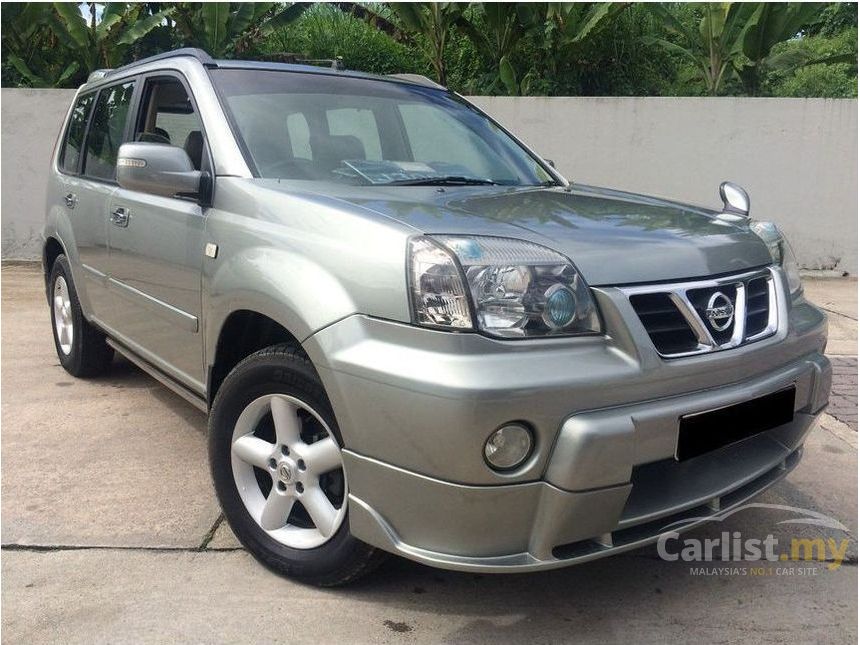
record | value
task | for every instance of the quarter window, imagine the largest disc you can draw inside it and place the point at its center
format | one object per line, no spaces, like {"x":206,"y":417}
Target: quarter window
{"x":71,"y":154}
{"x":107,"y":130}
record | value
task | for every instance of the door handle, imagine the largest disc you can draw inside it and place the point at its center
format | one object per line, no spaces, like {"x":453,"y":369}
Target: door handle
{"x":120,"y":216}
{"x":71,"y":200}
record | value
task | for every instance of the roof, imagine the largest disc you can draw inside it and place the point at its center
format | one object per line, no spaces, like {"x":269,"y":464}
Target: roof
{"x":209,"y":62}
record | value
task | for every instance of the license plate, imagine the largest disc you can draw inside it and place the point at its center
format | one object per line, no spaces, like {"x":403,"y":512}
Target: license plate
{"x":706,"y":431}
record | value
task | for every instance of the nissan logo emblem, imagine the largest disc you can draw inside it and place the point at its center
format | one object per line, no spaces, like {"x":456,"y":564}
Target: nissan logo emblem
{"x":720,"y":311}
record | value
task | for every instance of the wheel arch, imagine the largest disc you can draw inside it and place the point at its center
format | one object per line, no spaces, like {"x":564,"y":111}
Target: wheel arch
{"x":51,"y":250}
{"x":241,"y":333}
{"x":250,"y":295}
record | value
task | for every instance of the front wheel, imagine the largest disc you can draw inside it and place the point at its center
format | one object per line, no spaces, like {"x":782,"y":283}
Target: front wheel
{"x":275,"y":454}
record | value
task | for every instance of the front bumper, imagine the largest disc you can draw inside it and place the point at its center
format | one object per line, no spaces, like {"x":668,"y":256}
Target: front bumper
{"x":415,"y":407}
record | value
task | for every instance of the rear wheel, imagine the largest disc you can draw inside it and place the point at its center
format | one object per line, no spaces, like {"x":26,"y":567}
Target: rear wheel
{"x":81,"y":347}
{"x":276,"y":461}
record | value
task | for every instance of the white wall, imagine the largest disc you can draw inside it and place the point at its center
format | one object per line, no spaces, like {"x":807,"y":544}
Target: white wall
{"x":29,"y":123}
{"x":796,"y":157}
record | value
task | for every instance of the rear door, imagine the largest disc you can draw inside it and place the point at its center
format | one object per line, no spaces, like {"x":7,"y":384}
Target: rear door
{"x":96,"y":128}
{"x":90,"y":191}
{"x":156,"y":243}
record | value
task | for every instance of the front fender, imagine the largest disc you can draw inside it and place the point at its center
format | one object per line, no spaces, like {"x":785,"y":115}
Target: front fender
{"x":285,"y":286}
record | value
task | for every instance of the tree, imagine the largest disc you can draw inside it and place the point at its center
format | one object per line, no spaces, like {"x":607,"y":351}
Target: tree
{"x":569,"y":28}
{"x":495,"y":30}
{"x":771,"y":24}
{"x":432,"y":22}
{"x":30,"y":47}
{"x":224,"y":28}
{"x":328,"y":32}
{"x":103,"y":42}
{"x":715,"y":46}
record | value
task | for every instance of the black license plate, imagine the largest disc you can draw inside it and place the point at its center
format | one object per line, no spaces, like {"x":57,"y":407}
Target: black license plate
{"x":706,"y":431}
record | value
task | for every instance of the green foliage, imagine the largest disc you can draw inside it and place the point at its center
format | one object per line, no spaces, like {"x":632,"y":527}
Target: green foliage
{"x":432,"y":23}
{"x":616,"y":61}
{"x":326,"y":32}
{"x":103,"y":43}
{"x":225,"y":29}
{"x":714,"y":44}
{"x":771,"y":24}
{"x":52,"y":45}
{"x":495,"y":30}
{"x":541,"y":48}
{"x":30,"y":48}
{"x":835,"y":80}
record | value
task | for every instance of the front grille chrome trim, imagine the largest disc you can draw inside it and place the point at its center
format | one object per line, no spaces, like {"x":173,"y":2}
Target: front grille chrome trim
{"x":677,"y":293}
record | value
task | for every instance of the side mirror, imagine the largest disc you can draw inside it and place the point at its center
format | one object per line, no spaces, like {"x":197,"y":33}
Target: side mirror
{"x":550,"y":162}
{"x":158,"y":169}
{"x":735,"y":199}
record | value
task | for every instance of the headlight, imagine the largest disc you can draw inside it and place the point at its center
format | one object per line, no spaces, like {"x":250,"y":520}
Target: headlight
{"x":780,"y":251}
{"x":503,"y":287}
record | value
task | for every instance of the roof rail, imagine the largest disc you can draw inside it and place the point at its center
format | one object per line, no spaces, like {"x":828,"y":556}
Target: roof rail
{"x":296,"y":59}
{"x":98,"y":74}
{"x":204,"y":58}
{"x":419,"y":79}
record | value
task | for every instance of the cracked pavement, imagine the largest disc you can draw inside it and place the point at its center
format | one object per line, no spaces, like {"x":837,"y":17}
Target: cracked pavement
{"x":111,"y":533}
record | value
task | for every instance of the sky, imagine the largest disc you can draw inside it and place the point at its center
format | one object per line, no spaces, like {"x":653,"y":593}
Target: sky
{"x":85,"y":11}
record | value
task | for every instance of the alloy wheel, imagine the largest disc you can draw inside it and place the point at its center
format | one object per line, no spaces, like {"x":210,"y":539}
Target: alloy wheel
{"x":63,"y":322}
{"x":288,"y":470}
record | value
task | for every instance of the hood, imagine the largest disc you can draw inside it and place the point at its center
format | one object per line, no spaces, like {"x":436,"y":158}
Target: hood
{"x":612,"y":237}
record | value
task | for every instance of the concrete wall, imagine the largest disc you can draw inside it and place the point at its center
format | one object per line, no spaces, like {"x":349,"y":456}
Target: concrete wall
{"x":31,"y":120}
{"x":796,"y":157}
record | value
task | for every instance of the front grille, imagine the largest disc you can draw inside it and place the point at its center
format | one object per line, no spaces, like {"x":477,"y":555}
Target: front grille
{"x":758,"y":307}
{"x":707,"y":315}
{"x":666,"y":325}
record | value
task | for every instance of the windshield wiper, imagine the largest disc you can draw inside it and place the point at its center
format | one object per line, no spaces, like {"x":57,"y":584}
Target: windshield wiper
{"x":446,"y":180}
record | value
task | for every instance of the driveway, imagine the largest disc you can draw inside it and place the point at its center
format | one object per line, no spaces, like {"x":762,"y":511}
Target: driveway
{"x":111,"y":533}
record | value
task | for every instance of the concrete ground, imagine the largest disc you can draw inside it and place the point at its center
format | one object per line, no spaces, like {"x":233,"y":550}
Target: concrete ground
{"x":111,"y":533}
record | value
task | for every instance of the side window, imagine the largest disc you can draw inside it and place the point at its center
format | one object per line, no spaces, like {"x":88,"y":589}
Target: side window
{"x":167,"y":115}
{"x":300,"y":135}
{"x":71,"y":153}
{"x":106,"y":131}
{"x":359,"y":123}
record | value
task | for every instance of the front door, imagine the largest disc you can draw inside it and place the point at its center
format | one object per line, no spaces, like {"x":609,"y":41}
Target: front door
{"x":157,"y":243}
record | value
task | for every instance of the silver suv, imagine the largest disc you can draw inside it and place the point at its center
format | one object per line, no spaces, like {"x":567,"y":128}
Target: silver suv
{"x":411,"y":334}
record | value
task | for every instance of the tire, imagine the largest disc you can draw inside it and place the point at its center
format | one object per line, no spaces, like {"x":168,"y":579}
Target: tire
{"x":81,"y":347}
{"x":268,"y":411}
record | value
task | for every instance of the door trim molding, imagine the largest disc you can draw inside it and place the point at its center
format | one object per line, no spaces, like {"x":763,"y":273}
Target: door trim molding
{"x":181,"y":318}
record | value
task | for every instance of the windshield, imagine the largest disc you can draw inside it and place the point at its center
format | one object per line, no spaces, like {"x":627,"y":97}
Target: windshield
{"x":333,"y":128}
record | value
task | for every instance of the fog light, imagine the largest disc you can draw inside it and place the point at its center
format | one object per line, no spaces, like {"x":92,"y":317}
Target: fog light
{"x":508,"y":447}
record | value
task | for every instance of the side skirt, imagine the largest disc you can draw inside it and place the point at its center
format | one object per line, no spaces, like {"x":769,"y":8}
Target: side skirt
{"x":160,"y":376}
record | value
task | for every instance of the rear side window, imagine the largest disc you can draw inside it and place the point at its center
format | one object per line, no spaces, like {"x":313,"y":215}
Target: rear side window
{"x":71,"y":154}
{"x":300,"y":135}
{"x":107,"y":130}
{"x":358,"y":123}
